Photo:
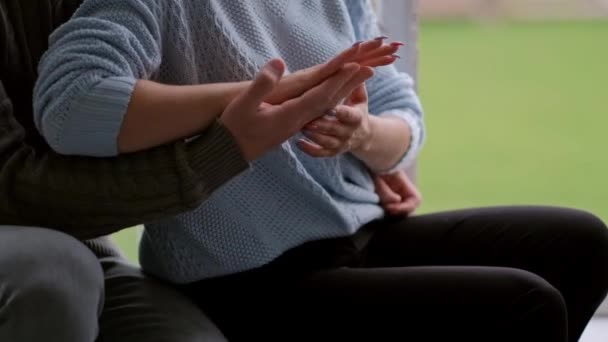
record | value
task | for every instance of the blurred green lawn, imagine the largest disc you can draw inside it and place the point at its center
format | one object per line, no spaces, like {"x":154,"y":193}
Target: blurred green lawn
{"x":515,"y":114}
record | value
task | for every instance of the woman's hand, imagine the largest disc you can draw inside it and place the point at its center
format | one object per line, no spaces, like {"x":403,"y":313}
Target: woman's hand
{"x":347,"y":129}
{"x":373,"y":53}
{"x":258,"y":126}
{"x":398,"y":195}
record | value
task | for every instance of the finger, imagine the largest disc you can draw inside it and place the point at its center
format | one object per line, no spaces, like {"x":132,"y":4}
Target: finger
{"x":316,"y":101}
{"x":324,"y":141}
{"x":331,"y":127}
{"x":263,"y":84}
{"x":412,"y":201}
{"x":314,"y":150}
{"x":385,"y":193}
{"x":356,"y":53}
{"x":319,"y":73}
{"x":346,"y":56}
{"x":357,"y":80}
{"x":328,"y":88}
{"x":399,"y":182}
{"x":380,"y":61}
{"x":402,"y":183}
{"x":384,"y":50}
{"x":358,"y":96}
{"x":349,"y":116}
{"x":370,"y":45}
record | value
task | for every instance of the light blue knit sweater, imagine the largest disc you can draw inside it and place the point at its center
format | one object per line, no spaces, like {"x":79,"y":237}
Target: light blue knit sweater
{"x":287,"y":198}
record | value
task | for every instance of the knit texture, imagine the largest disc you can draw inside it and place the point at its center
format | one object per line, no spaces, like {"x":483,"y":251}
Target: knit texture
{"x":287,"y":198}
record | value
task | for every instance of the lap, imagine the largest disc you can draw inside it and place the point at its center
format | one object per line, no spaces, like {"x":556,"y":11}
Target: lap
{"x":566,"y":247}
{"x":141,"y":308}
{"x":466,"y":302}
{"x":375,"y":303}
{"x":455,"y":269}
{"x":521,"y":237}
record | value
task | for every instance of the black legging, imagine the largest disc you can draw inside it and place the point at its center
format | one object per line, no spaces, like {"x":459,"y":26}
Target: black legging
{"x":496,"y":274}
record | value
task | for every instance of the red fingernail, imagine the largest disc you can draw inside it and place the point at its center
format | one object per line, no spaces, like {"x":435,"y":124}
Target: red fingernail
{"x":397,"y":44}
{"x":397,"y":56}
{"x":381,"y":38}
{"x":357,"y":43}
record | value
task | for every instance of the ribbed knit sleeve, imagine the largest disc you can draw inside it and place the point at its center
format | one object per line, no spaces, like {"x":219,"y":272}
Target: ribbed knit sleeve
{"x":92,"y":197}
{"x":390,"y":92}
{"x":88,"y":74}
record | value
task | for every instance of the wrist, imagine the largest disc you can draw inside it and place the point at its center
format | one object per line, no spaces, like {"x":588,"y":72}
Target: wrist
{"x":231,"y":91}
{"x":367,"y":138}
{"x":238,"y":139}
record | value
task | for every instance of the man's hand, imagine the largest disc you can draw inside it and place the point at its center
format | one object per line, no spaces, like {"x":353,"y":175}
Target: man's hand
{"x":258,"y":126}
{"x":398,"y":195}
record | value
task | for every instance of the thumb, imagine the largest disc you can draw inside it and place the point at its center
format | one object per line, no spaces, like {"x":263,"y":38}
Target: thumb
{"x":263,"y":84}
{"x":359,"y":95}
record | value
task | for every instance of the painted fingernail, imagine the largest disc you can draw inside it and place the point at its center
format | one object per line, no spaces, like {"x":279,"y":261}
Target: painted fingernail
{"x":357,"y":43}
{"x":397,"y":44}
{"x":381,"y":38}
{"x":397,"y":56}
{"x":331,"y":112}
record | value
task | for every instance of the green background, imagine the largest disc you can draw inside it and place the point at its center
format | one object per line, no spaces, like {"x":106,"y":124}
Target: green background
{"x":515,"y":114}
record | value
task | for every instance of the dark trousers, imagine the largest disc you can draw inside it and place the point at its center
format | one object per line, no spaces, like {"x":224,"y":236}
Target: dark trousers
{"x":54,"y":289}
{"x":496,"y":274}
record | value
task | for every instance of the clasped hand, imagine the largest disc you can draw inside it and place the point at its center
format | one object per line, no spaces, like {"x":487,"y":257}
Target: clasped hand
{"x":346,"y":128}
{"x":273,"y":108}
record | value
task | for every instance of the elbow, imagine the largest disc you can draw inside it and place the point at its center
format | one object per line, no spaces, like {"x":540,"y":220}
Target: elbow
{"x":68,"y":134}
{"x":50,"y":121}
{"x":84,"y":119}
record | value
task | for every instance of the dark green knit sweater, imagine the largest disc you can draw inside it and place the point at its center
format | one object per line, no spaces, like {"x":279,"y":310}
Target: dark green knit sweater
{"x":88,"y":197}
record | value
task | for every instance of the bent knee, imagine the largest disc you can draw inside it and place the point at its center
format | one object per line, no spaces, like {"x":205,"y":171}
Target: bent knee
{"x":592,"y":227}
{"x":588,"y":236}
{"x":533,"y":295}
{"x":51,"y":286}
{"x":44,"y":266}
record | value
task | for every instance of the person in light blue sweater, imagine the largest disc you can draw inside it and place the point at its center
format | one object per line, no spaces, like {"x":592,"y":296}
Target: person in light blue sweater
{"x":317,"y":237}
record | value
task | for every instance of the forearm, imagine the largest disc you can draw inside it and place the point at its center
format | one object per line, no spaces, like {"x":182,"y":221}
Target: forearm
{"x":91,"y":197}
{"x":389,"y":141}
{"x":158,"y":114}
{"x":87,"y":197}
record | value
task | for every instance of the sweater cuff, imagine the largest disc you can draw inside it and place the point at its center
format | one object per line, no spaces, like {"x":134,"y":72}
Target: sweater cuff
{"x":215,"y":158}
{"x":96,"y":119}
{"x":411,"y":153}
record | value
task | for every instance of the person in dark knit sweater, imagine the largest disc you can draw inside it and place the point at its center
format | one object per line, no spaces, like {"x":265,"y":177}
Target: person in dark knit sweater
{"x":67,"y":282}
